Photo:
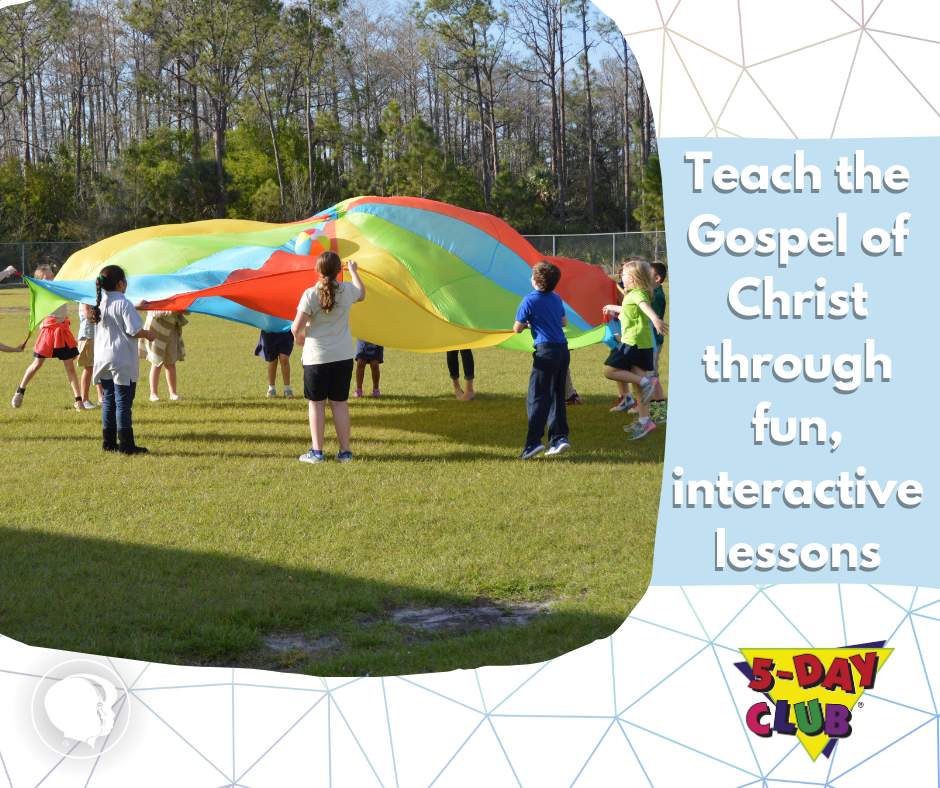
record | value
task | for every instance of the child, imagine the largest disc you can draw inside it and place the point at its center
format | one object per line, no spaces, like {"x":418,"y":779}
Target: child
{"x":374,"y":355}
{"x":86,"y":355}
{"x":55,"y":341}
{"x":117,"y":362}
{"x":571,"y":395}
{"x":658,"y":403}
{"x":634,"y":358}
{"x":165,"y":351}
{"x":543,"y":312}
{"x":624,"y":401}
{"x":322,"y":328}
{"x":274,"y":347}
{"x":453,"y":366}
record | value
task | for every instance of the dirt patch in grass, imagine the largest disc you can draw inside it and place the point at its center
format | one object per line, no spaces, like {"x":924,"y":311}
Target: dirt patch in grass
{"x":299,"y":643}
{"x":401,"y":629}
{"x":483,"y":615}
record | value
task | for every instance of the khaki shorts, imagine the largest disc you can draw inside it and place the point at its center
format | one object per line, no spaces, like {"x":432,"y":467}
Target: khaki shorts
{"x":86,"y":352}
{"x":172,"y":348}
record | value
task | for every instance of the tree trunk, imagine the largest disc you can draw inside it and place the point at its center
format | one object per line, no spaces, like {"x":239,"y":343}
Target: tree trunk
{"x":194,"y":98}
{"x":484,"y":159}
{"x":179,"y":95}
{"x":626,"y":135}
{"x":310,"y":171}
{"x":562,"y":139}
{"x":42,"y":115}
{"x":219,"y":139}
{"x":32,"y":117}
{"x":277,"y":155}
{"x":24,"y":112}
{"x":78,"y":137}
{"x":592,"y":172}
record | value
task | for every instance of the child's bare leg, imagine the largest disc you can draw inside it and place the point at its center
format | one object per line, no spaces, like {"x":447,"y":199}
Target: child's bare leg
{"x":155,"y":379}
{"x":100,"y":392}
{"x":470,"y":394}
{"x":457,"y":390}
{"x":73,"y":379}
{"x":376,"y":373}
{"x":285,"y":371}
{"x":658,"y":392}
{"x":317,"y":413}
{"x":644,"y":410}
{"x":171,"y":379}
{"x":31,"y":371}
{"x":360,"y":372}
{"x":272,"y":373}
{"x":627,"y":376}
{"x":341,"y":423}
{"x":86,"y":384}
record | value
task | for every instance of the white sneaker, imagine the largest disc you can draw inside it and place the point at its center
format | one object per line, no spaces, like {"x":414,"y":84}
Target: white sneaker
{"x":89,"y":405}
{"x":559,"y":448}
{"x":625,"y":403}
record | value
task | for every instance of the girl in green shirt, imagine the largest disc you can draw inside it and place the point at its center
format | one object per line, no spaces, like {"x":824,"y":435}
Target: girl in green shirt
{"x":631,"y":362}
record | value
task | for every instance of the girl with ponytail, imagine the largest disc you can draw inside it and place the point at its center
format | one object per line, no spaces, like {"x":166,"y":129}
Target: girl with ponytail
{"x":117,"y":363}
{"x":55,"y":341}
{"x":322,"y":329}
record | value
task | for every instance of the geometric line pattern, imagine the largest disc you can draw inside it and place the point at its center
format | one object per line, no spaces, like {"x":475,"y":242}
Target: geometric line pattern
{"x":657,"y":701}
{"x":718,"y":68}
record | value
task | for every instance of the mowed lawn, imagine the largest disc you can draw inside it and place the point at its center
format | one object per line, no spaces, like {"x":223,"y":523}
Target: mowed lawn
{"x":220,"y":538}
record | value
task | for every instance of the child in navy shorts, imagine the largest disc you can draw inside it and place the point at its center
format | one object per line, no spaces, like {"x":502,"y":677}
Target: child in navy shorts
{"x":373,"y":355}
{"x":543,"y":312}
{"x":274,"y":347}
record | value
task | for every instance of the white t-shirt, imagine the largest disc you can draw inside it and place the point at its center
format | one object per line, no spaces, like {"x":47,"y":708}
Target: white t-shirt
{"x":116,"y":354}
{"x":327,"y":335}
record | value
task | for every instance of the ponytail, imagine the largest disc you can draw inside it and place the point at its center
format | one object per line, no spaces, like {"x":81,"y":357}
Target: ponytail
{"x":96,"y":309}
{"x":329,"y":267}
{"x":109,"y":278}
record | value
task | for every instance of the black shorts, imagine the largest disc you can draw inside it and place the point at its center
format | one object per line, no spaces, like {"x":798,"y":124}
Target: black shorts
{"x":328,"y":381}
{"x":272,"y":345}
{"x":61,"y":353}
{"x":627,"y":356}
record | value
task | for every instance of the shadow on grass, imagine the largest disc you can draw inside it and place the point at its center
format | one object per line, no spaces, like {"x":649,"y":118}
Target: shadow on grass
{"x":175,"y":606}
{"x":469,"y":431}
{"x":389,"y":429}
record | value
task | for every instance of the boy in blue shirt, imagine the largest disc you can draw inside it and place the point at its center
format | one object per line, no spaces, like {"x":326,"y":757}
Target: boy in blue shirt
{"x":543,"y":312}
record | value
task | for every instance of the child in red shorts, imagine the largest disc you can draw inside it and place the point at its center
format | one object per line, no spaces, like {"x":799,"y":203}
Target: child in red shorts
{"x":55,"y":341}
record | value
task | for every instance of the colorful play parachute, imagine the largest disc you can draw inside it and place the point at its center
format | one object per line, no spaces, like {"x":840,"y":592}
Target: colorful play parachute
{"x":437,"y":277}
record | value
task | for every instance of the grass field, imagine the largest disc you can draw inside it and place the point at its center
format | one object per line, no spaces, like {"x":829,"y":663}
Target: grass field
{"x":220,"y":537}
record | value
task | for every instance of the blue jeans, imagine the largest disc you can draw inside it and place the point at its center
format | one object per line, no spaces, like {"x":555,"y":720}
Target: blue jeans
{"x":546,"y":399}
{"x":120,"y":398}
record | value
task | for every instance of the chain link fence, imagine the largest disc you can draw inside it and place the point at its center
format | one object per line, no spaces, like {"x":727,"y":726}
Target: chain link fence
{"x":26,"y":257}
{"x":603,"y":249}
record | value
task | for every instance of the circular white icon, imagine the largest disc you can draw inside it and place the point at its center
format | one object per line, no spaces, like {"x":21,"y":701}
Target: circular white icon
{"x":81,"y":709}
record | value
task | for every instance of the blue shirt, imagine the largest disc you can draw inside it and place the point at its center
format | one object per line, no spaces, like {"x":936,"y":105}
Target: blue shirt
{"x":86,"y":329}
{"x":544,"y":313}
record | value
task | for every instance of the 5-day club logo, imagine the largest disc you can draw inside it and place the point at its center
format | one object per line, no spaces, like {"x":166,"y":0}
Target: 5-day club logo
{"x":812,"y":692}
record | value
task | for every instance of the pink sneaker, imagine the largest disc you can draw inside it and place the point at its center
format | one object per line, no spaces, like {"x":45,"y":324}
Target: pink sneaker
{"x":358,"y":393}
{"x":635,"y":431}
{"x":376,"y":393}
